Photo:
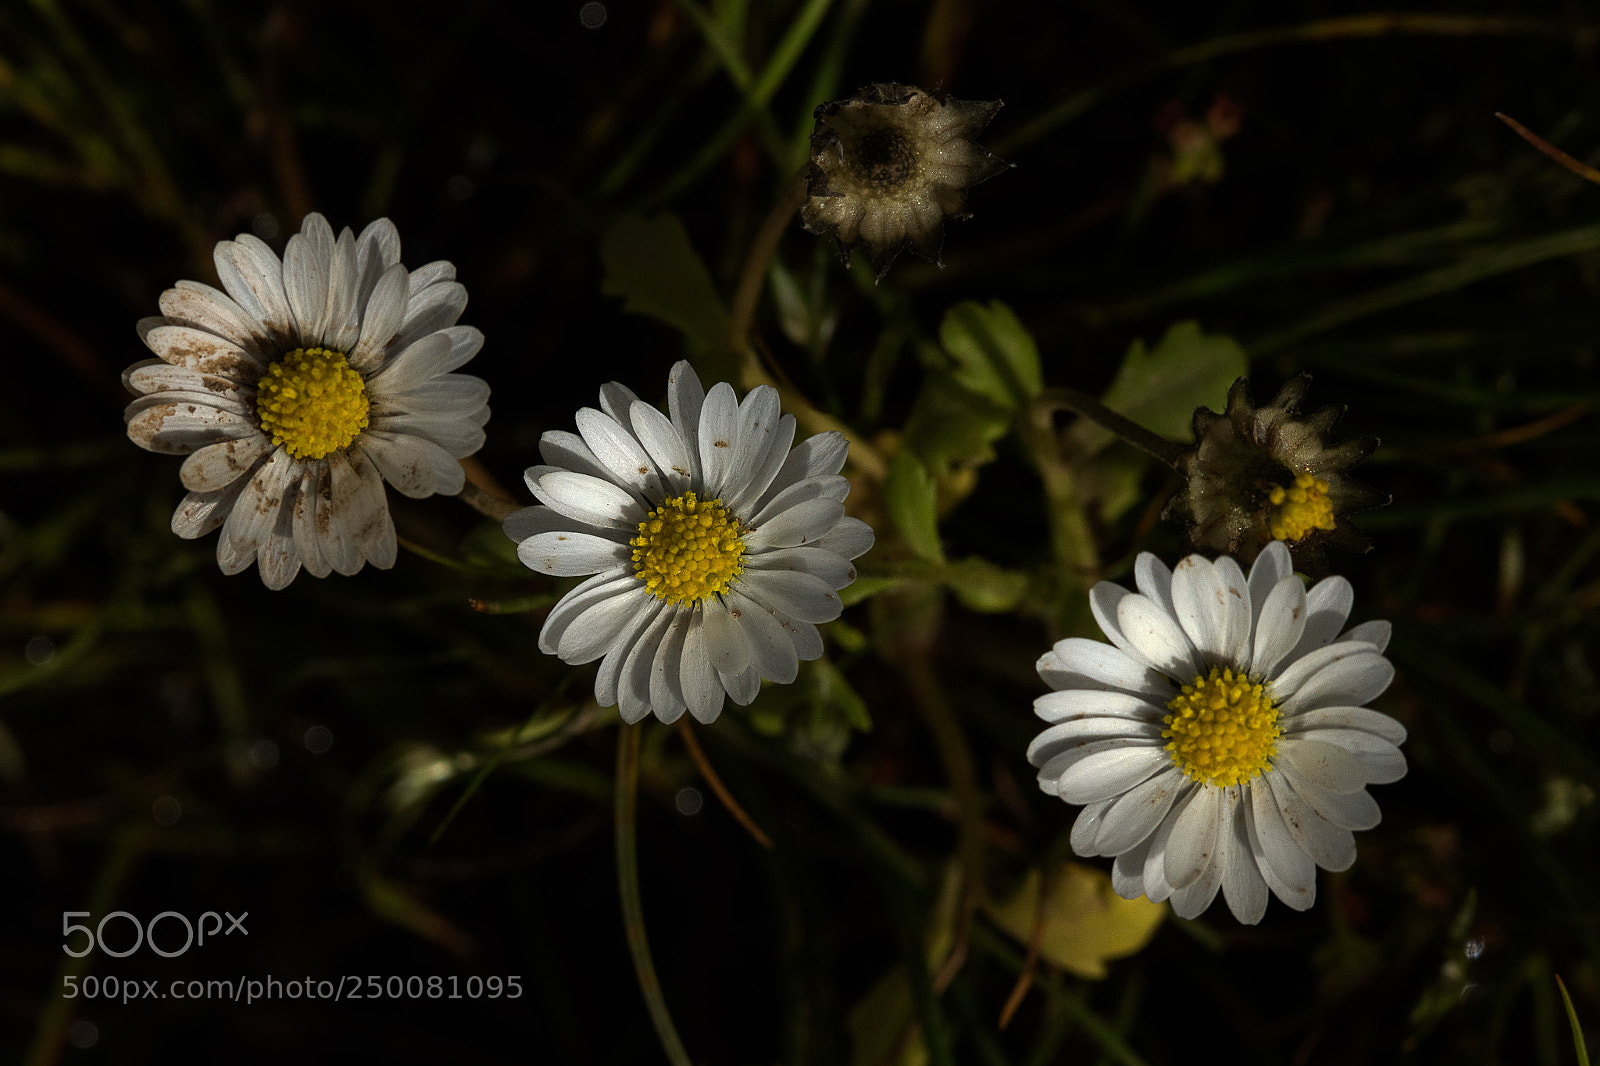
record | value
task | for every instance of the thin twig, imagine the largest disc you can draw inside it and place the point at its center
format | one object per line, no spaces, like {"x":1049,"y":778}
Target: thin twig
{"x":1030,"y":965}
{"x":1130,"y":432}
{"x":644,"y":967}
{"x":698,"y":756}
{"x":1583,"y":170}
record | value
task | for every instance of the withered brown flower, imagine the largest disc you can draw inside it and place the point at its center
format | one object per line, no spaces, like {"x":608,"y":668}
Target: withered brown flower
{"x":1259,"y":474}
{"x":890,"y":164}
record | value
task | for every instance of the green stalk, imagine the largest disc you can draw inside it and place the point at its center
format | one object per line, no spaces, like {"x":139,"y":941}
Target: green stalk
{"x":632,"y":905}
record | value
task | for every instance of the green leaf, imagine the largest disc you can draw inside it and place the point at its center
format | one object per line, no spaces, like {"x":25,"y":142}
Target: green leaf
{"x":984,"y":587}
{"x":995,"y":356}
{"x":912,"y":497}
{"x":1159,"y":388}
{"x":951,"y":426}
{"x":653,"y":267}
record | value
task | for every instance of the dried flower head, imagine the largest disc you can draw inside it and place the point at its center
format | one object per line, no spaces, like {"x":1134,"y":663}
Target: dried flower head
{"x":1261,"y":474}
{"x":890,"y":164}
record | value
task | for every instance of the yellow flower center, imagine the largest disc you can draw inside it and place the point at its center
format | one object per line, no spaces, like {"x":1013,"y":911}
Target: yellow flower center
{"x":688,"y":549}
{"x":1299,"y":509}
{"x":1223,"y":729}
{"x":311,"y":402}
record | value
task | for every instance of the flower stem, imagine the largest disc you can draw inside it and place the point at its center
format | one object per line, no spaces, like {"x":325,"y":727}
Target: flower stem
{"x":632,"y":905}
{"x":1130,"y":432}
{"x":486,"y":503}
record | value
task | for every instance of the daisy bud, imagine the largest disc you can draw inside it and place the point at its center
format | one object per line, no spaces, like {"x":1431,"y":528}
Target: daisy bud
{"x":1259,"y":475}
{"x":890,"y":164}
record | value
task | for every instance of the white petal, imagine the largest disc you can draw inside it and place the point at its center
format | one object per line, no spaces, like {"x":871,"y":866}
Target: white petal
{"x":850,"y":538}
{"x":1153,"y":578}
{"x":798,"y":525}
{"x":1347,"y":810}
{"x":829,"y":486}
{"x":306,"y":262}
{"x":616,"y":403}
{"x":762,"y":447}
{"x":803,"y":597}
{"x":1328,"y":604}
{"x":1127,"y":872}
{"x":202,"y":352}
{"x":608,"y":677}
{"x":341,"y":316}
{"x":589,"y":499}
{"x":1136,"y":814}
{"x":771,"y":650}
{"x":719,"y":430}
{"x":1155,"y":636}
{"x":1322,"y":763}
{"x":181,"y":428}
{"x":685,"y":398}
{"x":201,"y":512}
{"x":1096,"y":703}
{"x":1105,"y":598}
{"x":1376,"y":633}
{"x":561,"y":450}
{"x":1269,"y":570}
{"x":664,"y":446}
{"x":252,"y":274}
{"x":633,"y":680}
{"x":192,"y":303}
{"x":834,"y":571}
{"x":1381,"y":761}
{"x":702,"y":690}
{"x":377,"y":249}
{"x":435,"y":308}
{"x":254,"y":516}
{"x":725,"y":639}
{"x":220,"y":465}
{"x":415,"y":466}
{"x":576,"y":603}
{"x":1058,"y":764}
{"x":411,"y":368}
{"x":1349,"y":681}
{"x":1298,"y":671}
{"x":361,"y":508}
{"x":1242,"y":884}
{"x":742,"y":687}
{"x":1079,"y":663}
{"x":1282,"y":621}
{"x":277,"y":559}
{"x":1087,"y":826}
{"x":1110,"y":773}
{"x":666,"y":696}
{"x":823,"y":453}
{"x":1283,"y":863}
{"x":341,"y":553}
{"x":1079,"y":731}
{"x":1195,"y":838}
{"x":1154,"y":874}
{"x":381,"y":319}
{"x":1329,"y":846}
{"x":617,"y":450}
{"x":565,"y":553}
{"x":1362,"y":718}
{"x":1213,"y":613}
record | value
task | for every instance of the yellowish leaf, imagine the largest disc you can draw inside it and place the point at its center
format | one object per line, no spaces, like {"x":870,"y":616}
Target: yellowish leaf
{"x":1085,"y":922}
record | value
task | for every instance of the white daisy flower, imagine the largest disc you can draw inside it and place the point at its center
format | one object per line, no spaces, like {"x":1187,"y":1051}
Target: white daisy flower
{"x":1221,"y":740}
{"x":715,"y":547}
{"x":303,"y":387}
